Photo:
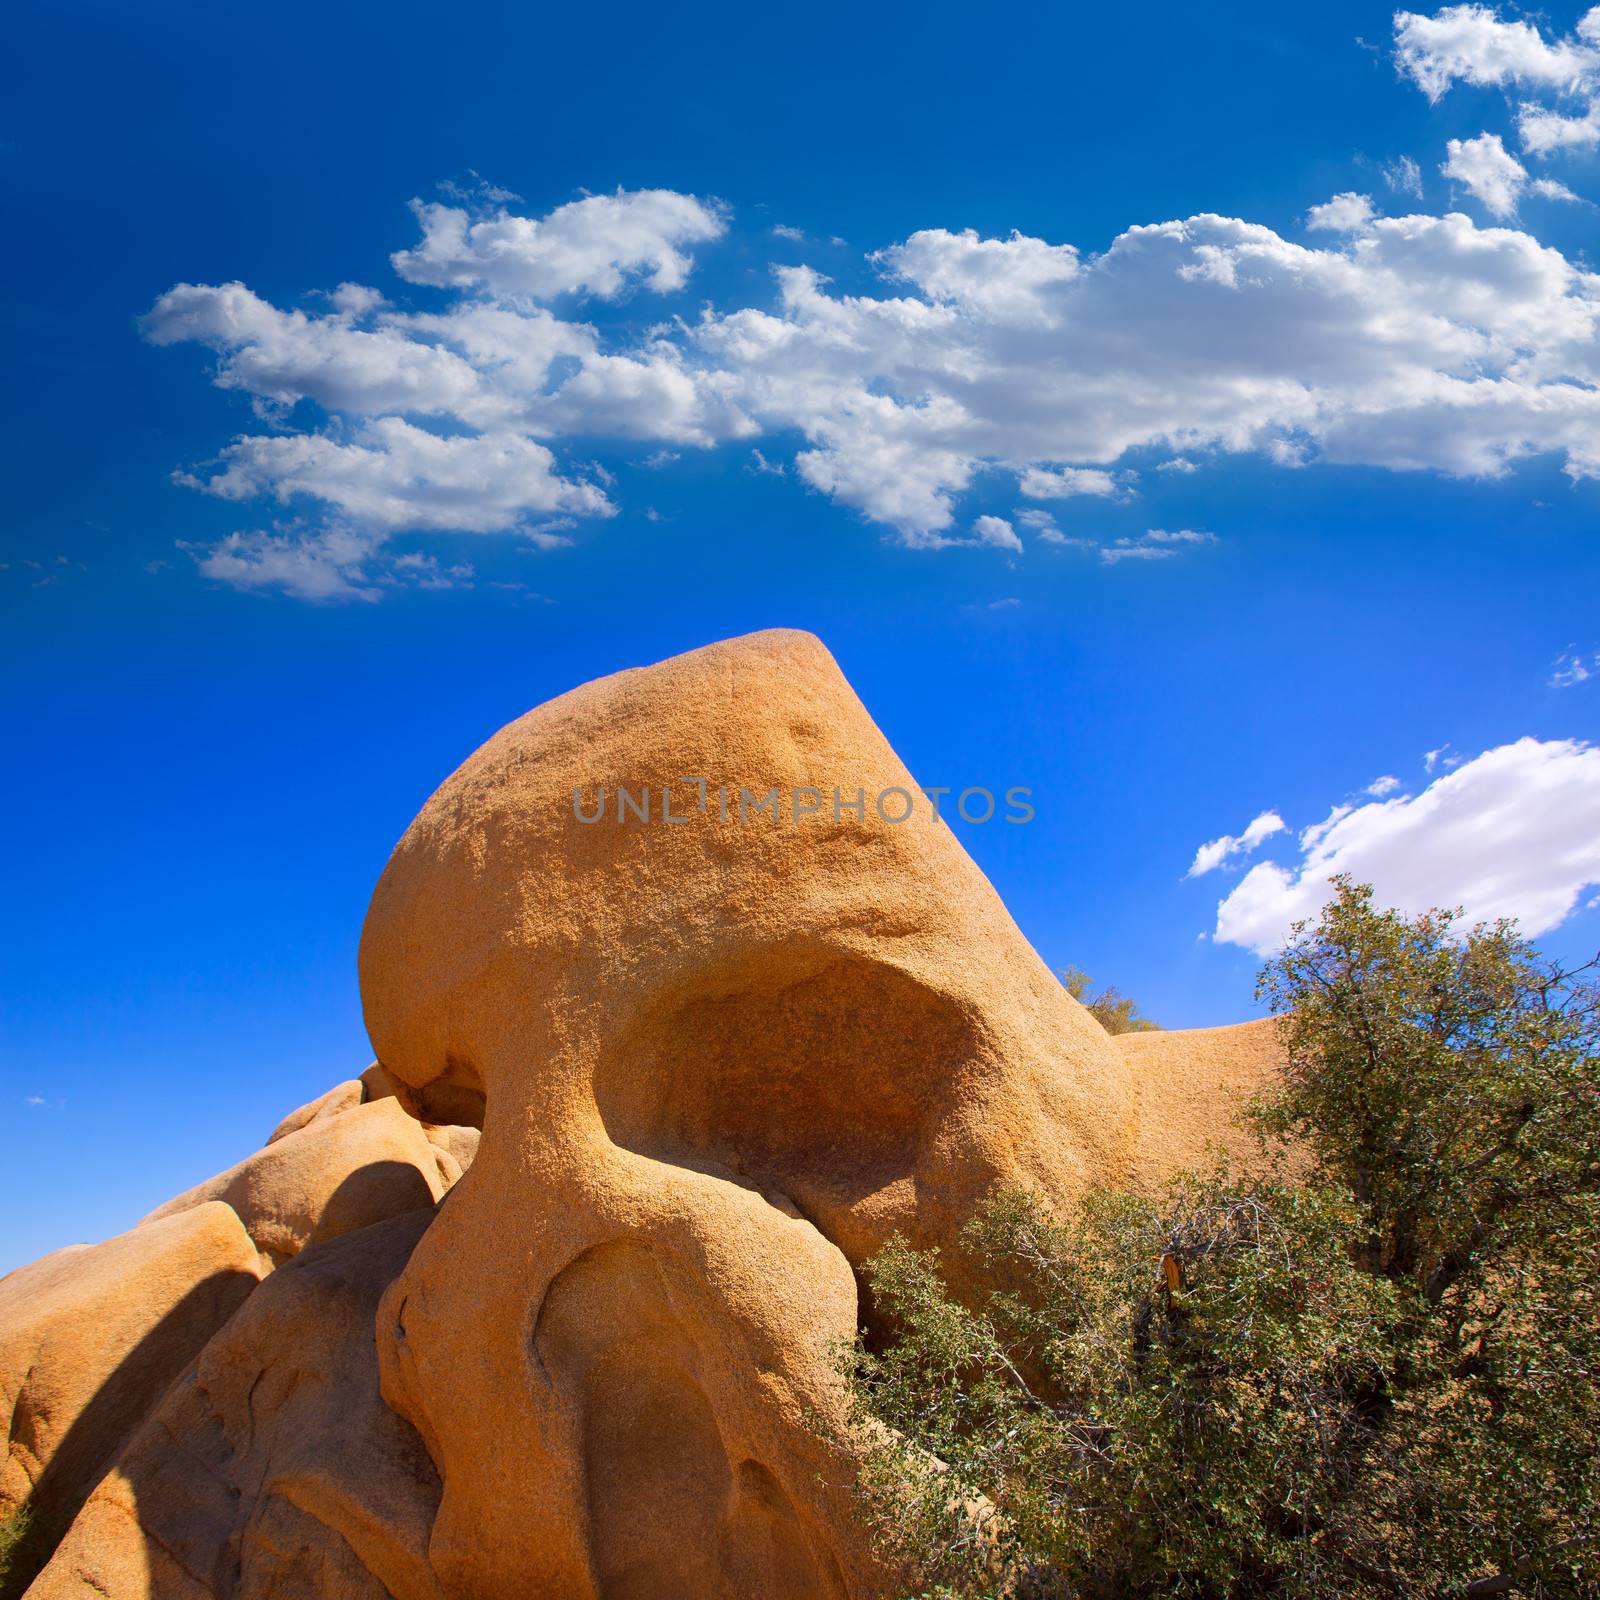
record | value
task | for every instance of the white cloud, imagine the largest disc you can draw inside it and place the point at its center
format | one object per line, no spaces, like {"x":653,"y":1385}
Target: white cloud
{"x":1471,"y":44}
{"x":597,"y":245}
{"x":1379,"y":787}
{"x":426,"y":572}
{"x":1310,"y":836}
{"x":1041,"y":523}
{"x":1549,"y":189}
{"x":1514,"y":832}
{"x":329,"y":565}
{"x":1345,"y":213}
{"x":478,"y":192}
{"x":1156,"y":544}
{"x":794,"y":235}
{"x":1178,"y":464}
{"x":1413,"y":342}
{"x":894,"y":472}
{"x":1003,"y":280}
{"x":334,"y":563}
{"x":286,"y":356}
{"x":356,"y":300}
{"x":1544,"y":131}
{"x":1485,"y":167}
{"x":1061,"y":483}
{"x":1572,"y":667}
{"x":393,"y":477}
{"x":996,"y":531}
{"x":1422,"y":342}
{"x":1404,"y":176}
{"x":1216,"y":852}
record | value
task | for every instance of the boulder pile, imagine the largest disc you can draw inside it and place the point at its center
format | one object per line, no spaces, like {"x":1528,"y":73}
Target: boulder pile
{"x":719,"y":1054}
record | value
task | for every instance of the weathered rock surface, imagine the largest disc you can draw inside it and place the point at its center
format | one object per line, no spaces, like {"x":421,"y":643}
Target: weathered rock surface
{"x":1189,"y":1084}
{"x":445,"y":1102}
{"x":90,"y":1340}
{"x":724,"y":1060}
{"x":717,"y":1061}
{"x":341,"y":1097}
{"x":338,"y":1171}
{"x":273,"y":1468}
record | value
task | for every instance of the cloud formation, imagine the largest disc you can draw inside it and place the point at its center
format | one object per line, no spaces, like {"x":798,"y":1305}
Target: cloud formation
{"x":1345,"y":213}
{"x":1573,"y":667}
{"x":1495,"y":176}
{"x":1214,"y":854}
{"x":393,"y":477}
{"x":1472,"y":44}
{"x":1155,"y":544}
{"x":595,"y":246}
{"x":997,"y":532}
{"x":1514,"y":832}
{"x":995,"y":369}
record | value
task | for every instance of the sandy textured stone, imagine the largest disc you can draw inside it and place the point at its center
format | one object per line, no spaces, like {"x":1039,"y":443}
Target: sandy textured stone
{"x":273,"y":1471}
{"x":717,"y":1063}
{"x":446,"y":1102}
{"x":460,"y":1144}
{"x":723,"y":1062}
{"x":339,"y":1098}
{"x":92,"y":1337}
{"x":336,"y":1173}
{"x":1189,"y":1084}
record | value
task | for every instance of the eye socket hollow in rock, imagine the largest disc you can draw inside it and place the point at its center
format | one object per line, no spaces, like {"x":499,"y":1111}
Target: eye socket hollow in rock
{"x":817,"y":1074}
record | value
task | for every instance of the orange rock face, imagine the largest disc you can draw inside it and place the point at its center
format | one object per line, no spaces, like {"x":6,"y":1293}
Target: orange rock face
{"x":722,"y":1042}
{"x":724,"y":1058}
{"x":91,"y":1338}
{"x":341,"y":1169}
{"x":273,"y":1467}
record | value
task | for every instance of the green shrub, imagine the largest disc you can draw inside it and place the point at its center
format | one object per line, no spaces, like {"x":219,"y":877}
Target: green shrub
{"x":14,"y":1529}
{"x":1113,"y":1010}
{"x":1376,"y":1380}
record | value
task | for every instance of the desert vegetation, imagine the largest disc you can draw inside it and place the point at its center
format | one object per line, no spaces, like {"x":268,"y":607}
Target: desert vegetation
{"x":1363,"y":1365}
{"x":1113,"y":1010}
{"x":15,"y":1567}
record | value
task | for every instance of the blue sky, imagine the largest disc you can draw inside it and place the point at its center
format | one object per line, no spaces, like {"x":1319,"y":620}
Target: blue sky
{"x":1193,"y":497}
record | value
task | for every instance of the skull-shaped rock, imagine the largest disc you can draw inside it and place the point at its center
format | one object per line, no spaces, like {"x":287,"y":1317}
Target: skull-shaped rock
{"x":727,"y":1049}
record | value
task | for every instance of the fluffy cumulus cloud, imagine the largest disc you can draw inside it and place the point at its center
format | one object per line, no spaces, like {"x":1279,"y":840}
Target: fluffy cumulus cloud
{"x":1544,"y":131}
{"x":996,"y":531}
{"x":597,"y":246}
{"x":1345,"y":213}
{"x":1514,"y":832}
{"x":977,"y":369}
{"x":1474,"y":44}
{"x":393,"y":477}
{"x":330,"y":564}
{"x":1216,"y":852}
{"x":1495,"y":176}
{"x":1059,"y":483}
